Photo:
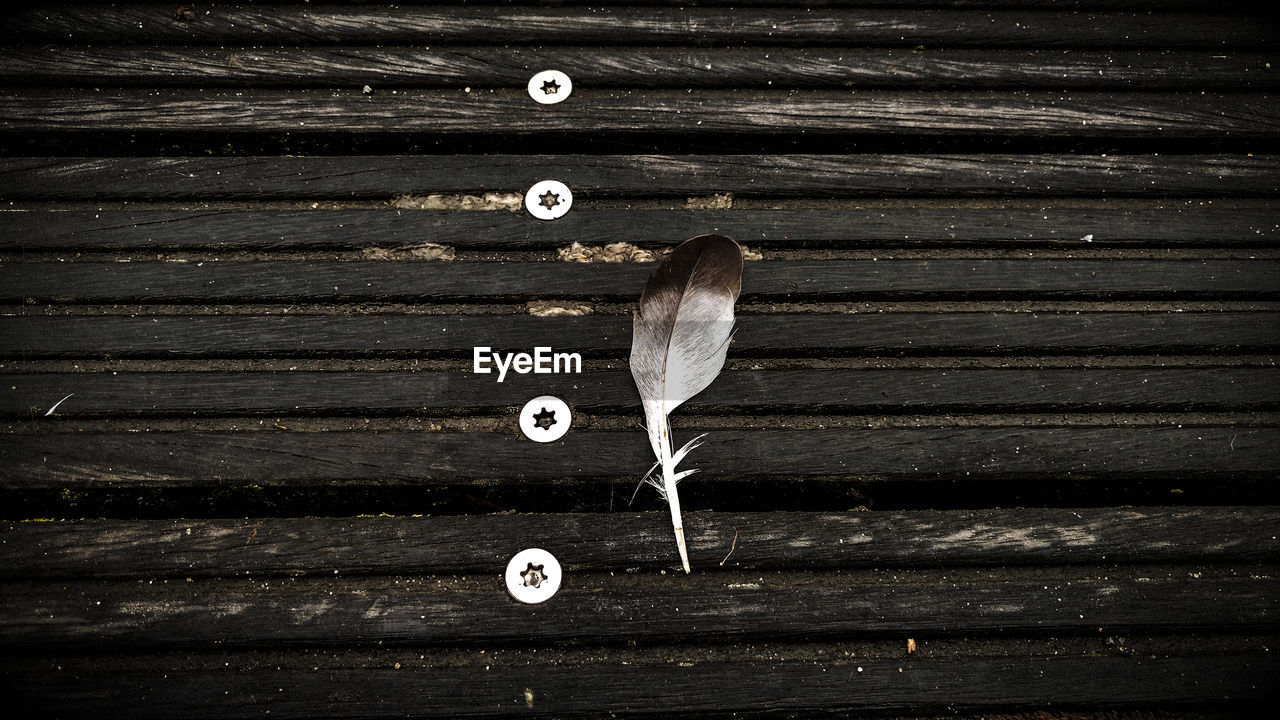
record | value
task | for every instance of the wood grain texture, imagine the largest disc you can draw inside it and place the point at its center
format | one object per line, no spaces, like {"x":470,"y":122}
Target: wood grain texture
{"x":339,"y":458}
{"x":267,"y":281}
{"x":1233,"y":6}
{"x":907,"y":333}
{"x":200,"y":548}
{"x":1237,"y":681}
{"x":1038,"y":610}
{"x":188,"y":394}
{"x":312,"y":178}
{"x":1114,"y":223}
{"x":1031,"y":114}
{"x":1201,"y":6}
{"x":419,"y":610}
{"x":150,"y":24}
{"x":486,"y":67}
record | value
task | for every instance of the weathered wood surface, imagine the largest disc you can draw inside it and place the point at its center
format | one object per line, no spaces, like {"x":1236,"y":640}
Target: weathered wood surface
{"x":782,"y":68}
{"x":1163,"y":116}
{"x":1236,"y":680}
{"x":1040,"y":332}
{"x":1209,"y":6}
{"x":391,"y":334}
{"x":878,"y":175}
{"x":190,"y":394}
{"x":1199,"y":6}
{"x":1051,"y":223}
{"x":873,"y":278}
{"x":199,"y":548}
{"x":426,"y":610}
{"x":86,"y":460}
{"x":151,"y":24}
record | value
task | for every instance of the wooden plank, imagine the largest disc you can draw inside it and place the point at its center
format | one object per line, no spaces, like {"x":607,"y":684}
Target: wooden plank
{"x":151,"y":24}
{"x":905,"y":333}
{"x":1207,"y":6}
{"x":1221,"y":6}
{"x":88,"y":460}
{"x":1236,"y":6}
{"x":1105,"y":224}
{"x":224,"y":178}
{"x":1203,"y":6}
{"x":484,"y":67}
{"x":199,"y":548}
{"x":188,"y":394}
{"x":426,"y":610}
{"x":704,"y":112}
{"x":267,"y":281}
{"x":1237,"y":682}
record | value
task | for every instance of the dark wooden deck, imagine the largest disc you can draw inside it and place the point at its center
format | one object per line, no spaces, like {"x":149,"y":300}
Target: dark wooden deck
{"x":998,"y":436}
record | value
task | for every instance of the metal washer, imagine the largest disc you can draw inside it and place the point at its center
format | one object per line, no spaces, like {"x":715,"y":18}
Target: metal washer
{"x":535,"y":410}
{"x":537,"y":566}
{"x":548,"y":199}
{"x":550,"y":87}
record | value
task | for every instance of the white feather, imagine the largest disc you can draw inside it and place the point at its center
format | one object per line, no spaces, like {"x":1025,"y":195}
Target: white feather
{"x":679,"y":342}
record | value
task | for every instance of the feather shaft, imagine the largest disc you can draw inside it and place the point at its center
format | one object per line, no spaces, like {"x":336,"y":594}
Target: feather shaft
{"x":669,"y":480}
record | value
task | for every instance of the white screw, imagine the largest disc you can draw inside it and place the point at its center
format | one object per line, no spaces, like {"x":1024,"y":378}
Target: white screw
{"x":545,"y":418}
{"x":548,"y":199}
{"x":533,"y":576}
{"x":550,"y":87}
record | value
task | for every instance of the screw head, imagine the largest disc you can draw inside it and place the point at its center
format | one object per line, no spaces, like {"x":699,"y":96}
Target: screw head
{"x":533,"y":576}
{"x":550,"y":87}
{"x":545,"y":418}
{"x":548,"y":199}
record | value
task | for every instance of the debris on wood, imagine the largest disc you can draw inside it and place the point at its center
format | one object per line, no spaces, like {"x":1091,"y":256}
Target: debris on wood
{"x":55,"y":405}
{"x":713,"y":202}
{"x":611,"y":253}
{"x":550,"y":308}
{"x":732,"y":547}
{"x":418,"y":251}
{"x":749,"y":254}
{"x":184,"y":13}
{"x":489,"y":201}
{"x":911,"y":645}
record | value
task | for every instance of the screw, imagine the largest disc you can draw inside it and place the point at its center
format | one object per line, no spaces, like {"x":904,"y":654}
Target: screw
{"x":533,"y":576}
{"x":545,"y":418}
{"x":548,"y":199}
{"x":550,"y":87}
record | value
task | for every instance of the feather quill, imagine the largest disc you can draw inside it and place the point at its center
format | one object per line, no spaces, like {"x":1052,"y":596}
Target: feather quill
{"x":679,"y":339}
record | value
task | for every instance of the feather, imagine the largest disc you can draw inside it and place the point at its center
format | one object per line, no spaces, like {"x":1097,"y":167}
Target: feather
{"x":678,"y":344}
